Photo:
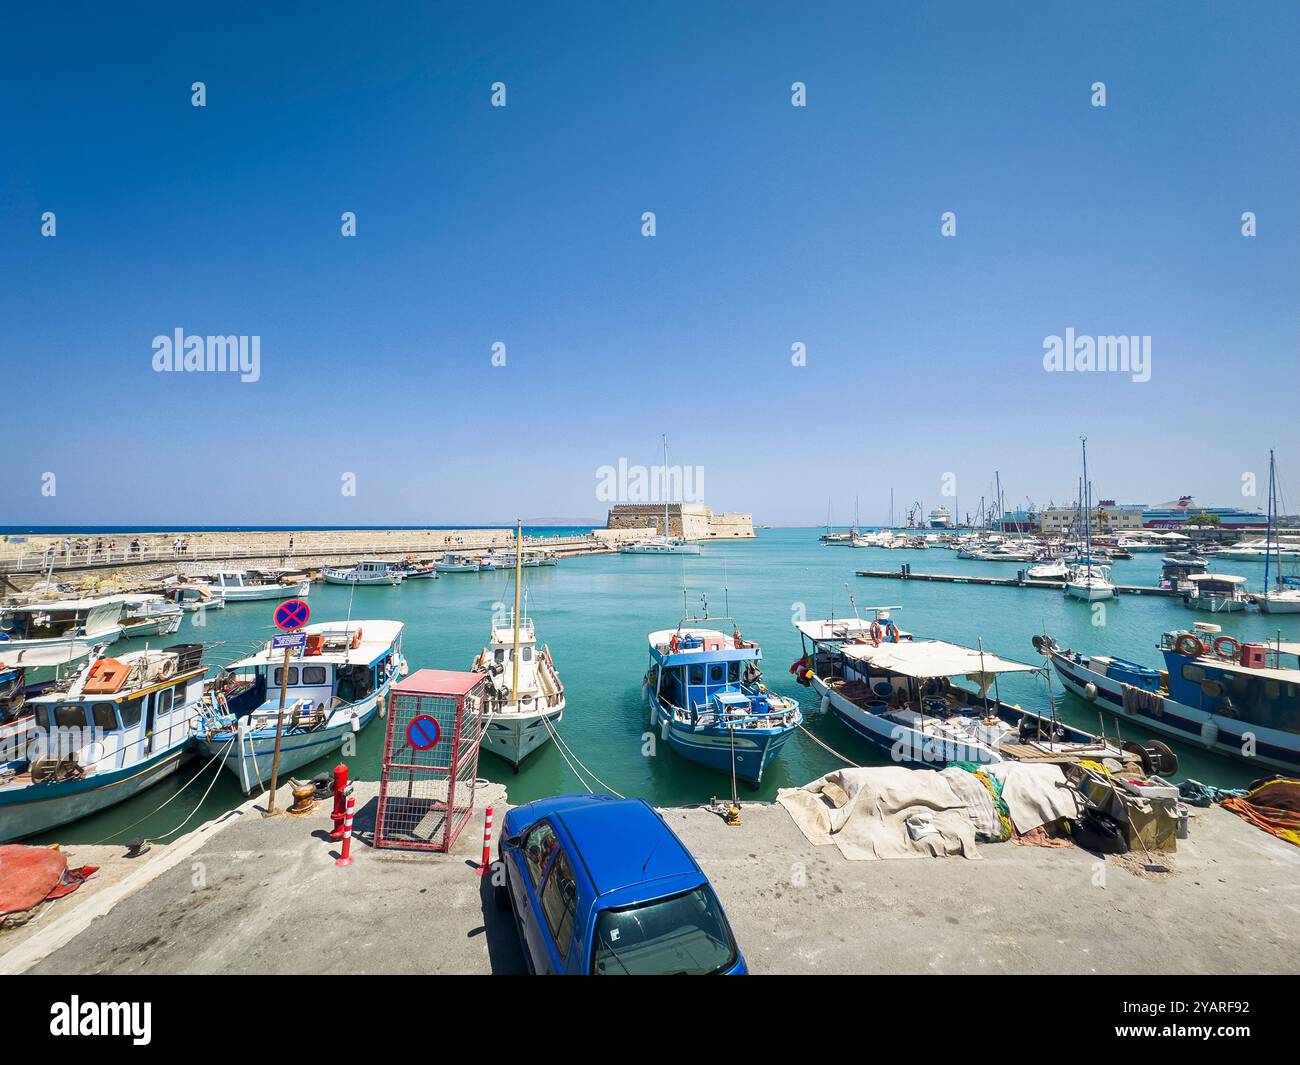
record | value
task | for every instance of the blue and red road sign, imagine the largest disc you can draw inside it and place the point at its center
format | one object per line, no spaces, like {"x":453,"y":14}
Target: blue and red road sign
{"x":292,"y":614}
{"x":423,"y":732}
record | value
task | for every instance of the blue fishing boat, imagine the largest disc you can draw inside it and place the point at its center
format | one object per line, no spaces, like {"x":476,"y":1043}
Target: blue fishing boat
{"x":706,"y":693}
{"x":1241,"y":700}
{"x":93,"y":740}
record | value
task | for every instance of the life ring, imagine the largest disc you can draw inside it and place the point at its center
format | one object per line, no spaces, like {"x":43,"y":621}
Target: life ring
{"x":673,"y":644}
{"x":1189,"y":645}
{"x":1232,"y":655}
{"x":876,"y":633}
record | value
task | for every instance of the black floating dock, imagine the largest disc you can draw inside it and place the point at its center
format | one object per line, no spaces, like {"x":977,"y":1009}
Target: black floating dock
{"x":904,"y":573}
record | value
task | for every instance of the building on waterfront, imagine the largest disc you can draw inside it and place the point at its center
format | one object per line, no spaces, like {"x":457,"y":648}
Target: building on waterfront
{"x":1020,"y":520}
{"x":1106,"y":517}
{"x":690,"y":521}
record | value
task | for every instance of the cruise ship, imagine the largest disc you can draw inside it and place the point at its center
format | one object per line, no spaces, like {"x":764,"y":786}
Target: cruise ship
{"x":1174,"y":515}
{"x":940,"y":518}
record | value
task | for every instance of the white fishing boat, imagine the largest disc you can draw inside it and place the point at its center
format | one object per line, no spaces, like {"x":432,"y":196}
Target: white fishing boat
{"x":242,"y":586}
{"x":367,"y":571}
{"x":121,"y":725}
{"x":334,"y":687}
{"x":1216,"y":593}
{"x":145,"y":614}
{"x":1089,"y":581}
{"x":663,"y":544}
{"x":193,"y":595}
{"x":451,"y":563}
{"x":54,"y":632}
{"x":525,"y":695}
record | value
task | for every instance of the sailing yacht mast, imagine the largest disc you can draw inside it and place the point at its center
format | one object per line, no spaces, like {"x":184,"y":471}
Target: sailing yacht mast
{"x":663,"y":480}
{"x":1268,"y":536}
{"x":1087,"y":508}
{"x":519,"y":569}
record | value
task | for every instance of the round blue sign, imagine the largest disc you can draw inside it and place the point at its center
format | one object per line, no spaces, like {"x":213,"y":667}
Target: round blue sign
{"x":291,"y":614}
{"x":423,"y":732}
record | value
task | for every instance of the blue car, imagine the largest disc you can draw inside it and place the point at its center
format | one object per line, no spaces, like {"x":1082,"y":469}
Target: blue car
{"x":602,"y":885}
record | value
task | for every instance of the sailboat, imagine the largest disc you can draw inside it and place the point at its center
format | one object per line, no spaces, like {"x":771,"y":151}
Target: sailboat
{"x":1284,"y":597}
{"x":1090,"y":581}
{"x":525,"y":696}
{"x":663,"y":544}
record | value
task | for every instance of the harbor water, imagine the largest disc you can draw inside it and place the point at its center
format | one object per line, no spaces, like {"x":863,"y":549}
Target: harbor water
{"x":595,"y":613}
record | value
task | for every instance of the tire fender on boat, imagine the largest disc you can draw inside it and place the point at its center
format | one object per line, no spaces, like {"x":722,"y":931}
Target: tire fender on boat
{"x":1090,"y":691}
{"x":826,"y":702}
{"x":1209,"y":732}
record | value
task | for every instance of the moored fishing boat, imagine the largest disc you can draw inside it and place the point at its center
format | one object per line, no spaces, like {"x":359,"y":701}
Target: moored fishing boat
{"x":898,"y":693}
{"x":367,"y":571}
{"x":57,"y":631}
{"x":119,"y":726}
{"x":452,"y":563}
{"x":241,"y":586}
{"x":333,"y":688}
{"x":525,"y":696}
{"x":1237,"y":699}
{"x":1216,"y":593}
{"x":707,"y":697}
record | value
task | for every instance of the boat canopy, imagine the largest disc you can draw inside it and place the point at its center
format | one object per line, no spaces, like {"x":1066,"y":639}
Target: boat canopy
{"x":376,"y":639}
{"x":1215,"y":578}
{"x":926,"y":659}
{"x":845,"y":628}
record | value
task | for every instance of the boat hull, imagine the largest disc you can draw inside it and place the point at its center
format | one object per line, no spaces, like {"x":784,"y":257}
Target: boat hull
{"x":54,"y":652}
{"x":258,"y":592}
{"x":39,"y":807}
{"x":1090,"y":593}
{"x":713,"y":748}
{"x":1272,"y":747}
{"x":250,"y":755}
{"x":337,"y":578}
{"x":513,"y":737}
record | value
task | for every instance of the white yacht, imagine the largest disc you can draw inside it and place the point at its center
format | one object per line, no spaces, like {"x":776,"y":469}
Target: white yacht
{"x":57,"y":631}
{"x":1217,"y":593}
{"x":367,"y":571}
{"x":1281,"y":593}
{"x":1056,"y":569}
{"x":1090,"y":581}
{"x":240,"y":586}
{"x":525,"y":696}
{"x":663,"y":544}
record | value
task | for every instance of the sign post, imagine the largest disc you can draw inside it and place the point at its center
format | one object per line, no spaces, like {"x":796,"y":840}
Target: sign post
{"x":290,"y":616}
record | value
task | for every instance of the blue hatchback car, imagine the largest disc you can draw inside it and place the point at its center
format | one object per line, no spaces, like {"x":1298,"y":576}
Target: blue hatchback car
{"x":602,"y":885}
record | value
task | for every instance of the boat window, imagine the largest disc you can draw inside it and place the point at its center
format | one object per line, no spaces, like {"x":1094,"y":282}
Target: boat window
{"x":697,"y":675}
{"x":131,"y":712}
{"x":559,"y":902}
{"x":527,"y":652}
{"x":163,"y":702}
{"x":715,"y":673}
{"x":70,"y":715}
{"x":538,"y":847}
{"x":499,"y":655}
{"x":279,"y":675}
{"x":684,"y":934}
{"x":105,"y":715}
{"x":178,"y":694}
{"x":733,"y":672}
{"x":1194,"y":674}
{"x":313,"y":674}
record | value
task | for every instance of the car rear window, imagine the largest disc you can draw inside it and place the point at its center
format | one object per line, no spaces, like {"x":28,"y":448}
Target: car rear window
{"x":683,"y":934}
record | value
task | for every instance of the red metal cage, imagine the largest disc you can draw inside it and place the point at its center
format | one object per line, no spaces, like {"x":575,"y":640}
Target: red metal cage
{"x":431,"y":745}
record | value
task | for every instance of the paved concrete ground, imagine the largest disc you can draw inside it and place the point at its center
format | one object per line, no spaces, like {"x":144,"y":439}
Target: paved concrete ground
{"x":264,"y":896}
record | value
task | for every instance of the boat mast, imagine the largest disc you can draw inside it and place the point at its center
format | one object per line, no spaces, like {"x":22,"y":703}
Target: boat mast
{"x":663,"y":480}
{"x":519,"y":569}
{"x":1087,"y":508}
{"x":1268,"y":536}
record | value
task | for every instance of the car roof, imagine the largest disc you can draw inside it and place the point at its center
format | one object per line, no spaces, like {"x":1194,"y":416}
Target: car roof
{"x":623,"y":843}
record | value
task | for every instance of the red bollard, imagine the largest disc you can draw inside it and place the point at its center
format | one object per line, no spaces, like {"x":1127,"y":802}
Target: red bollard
{"x":346,"y":857}
{"x":487,"y":843}
{"x":341,"y":792}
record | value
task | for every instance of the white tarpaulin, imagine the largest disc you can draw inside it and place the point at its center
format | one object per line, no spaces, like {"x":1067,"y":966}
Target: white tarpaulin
{"x":932,"y":658}
{"x":865,"y":813}
{"x":1035,"y":793}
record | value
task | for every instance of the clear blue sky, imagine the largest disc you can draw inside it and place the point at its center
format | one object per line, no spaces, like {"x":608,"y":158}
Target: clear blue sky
{"x":522,"y":225}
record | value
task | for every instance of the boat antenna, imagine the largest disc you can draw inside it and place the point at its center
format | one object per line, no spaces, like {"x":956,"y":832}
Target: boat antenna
{"x":726,"y":592}
{"x":852,"y":601}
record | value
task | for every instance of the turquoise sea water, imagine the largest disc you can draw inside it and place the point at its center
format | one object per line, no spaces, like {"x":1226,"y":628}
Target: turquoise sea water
{"x":595,"y":613}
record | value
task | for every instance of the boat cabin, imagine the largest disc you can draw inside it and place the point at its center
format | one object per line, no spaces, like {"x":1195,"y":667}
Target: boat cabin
{"x":701,"y":674}
{"x":1256,"y":683}
{"x":59,"y":619}
{"x":118,"y":711}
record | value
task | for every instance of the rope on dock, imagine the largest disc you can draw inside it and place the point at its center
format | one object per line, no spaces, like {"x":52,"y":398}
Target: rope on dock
{"x":832,"y":750}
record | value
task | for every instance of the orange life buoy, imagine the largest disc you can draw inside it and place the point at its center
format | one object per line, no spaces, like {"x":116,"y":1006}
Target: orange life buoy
{"x":1230,"y":655}
{"x":875,"y":633}
{"x":673,"y":645}
{"x":1189,"y":645}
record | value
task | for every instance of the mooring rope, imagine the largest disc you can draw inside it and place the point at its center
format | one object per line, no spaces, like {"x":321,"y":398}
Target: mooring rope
{"x":158,"y":809}
{"x":215,"y":777}
{"x":562,"y":746}
{"x":832,"y":750}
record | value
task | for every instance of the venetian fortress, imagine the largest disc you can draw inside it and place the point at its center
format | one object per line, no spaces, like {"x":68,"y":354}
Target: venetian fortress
{"x":690,"y":521}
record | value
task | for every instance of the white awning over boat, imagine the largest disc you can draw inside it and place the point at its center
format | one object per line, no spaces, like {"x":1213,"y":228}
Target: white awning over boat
{"x":844,"y":628}
{"x":933,"y":658}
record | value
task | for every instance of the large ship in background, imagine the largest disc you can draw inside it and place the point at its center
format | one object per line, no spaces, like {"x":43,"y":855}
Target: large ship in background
{"x":1175,"y":514}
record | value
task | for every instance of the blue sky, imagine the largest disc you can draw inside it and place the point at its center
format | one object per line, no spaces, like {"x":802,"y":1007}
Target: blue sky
{"x":522,"y":224}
